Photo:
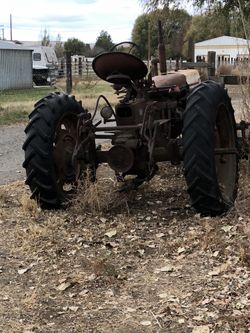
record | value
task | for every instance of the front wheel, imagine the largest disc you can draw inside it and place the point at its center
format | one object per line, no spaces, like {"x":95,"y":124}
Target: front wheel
{"x":51,"y":137}
{"x":210,"y":149}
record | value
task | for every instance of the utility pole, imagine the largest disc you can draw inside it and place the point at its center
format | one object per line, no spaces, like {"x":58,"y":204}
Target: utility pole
{"x":10,"y":26}
{"x":2,"y":31}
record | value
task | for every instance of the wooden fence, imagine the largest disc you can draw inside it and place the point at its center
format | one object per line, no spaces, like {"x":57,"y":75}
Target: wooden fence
{"x":80,"y":67}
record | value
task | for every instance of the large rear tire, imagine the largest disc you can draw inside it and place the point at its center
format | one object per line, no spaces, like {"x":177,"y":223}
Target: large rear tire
{"x":50,"y":141}
{"x":210,"y":149}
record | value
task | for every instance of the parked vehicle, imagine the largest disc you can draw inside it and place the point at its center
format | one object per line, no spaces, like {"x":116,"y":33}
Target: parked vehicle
{"x":45,"y":65}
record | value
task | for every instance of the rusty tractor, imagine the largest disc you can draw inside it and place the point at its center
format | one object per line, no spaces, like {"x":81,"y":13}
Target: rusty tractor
{"x":167,"y":117}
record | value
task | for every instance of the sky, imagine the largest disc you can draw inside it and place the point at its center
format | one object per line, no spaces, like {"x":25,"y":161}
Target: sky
{"x":82,"y":19}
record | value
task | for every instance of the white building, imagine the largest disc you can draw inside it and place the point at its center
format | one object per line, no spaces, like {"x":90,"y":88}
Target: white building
{"x":228,"y":49}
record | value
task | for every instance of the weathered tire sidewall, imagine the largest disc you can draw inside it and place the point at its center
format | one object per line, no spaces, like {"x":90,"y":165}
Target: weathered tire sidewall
{"x":68,"y":107}
{"x":39,"y":162}
{"x":198,"y":148}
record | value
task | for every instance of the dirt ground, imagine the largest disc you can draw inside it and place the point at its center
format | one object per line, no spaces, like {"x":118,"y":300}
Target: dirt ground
{"x":135,"y":262}
{"x":126,"y":263}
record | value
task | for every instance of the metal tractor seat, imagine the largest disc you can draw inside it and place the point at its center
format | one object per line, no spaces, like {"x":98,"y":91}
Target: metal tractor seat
{"x":119,"y":67}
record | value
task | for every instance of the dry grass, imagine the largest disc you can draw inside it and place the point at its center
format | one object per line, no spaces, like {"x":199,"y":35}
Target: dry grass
{"x":141,"y":261}
{"x":16,"y":105}
{"x":245,"y":101}
{"x":162,"y":269}
{"x":102,"y":195}
{"x":224,"y":69}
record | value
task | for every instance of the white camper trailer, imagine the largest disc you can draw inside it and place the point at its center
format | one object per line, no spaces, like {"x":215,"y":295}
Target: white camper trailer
{"x":45,"y":65}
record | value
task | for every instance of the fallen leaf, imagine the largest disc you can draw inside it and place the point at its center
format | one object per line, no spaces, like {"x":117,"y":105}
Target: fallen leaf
{"x":63,"y":286}
{"x":201,"y":329}
{"x":145,"y":323}
{"x":74,"y":308}
{"x":152,"y":246}
{"x":198,"y":318}
{"x":128,"y":309}
{"x":168,"y":268}
{"x":216,"y":253}
{"x":24,"y":270}
{"x":227,"y":228}
{"x":111,"y":233}
{"x":83,"y":292}
{"x":218,"y":270}
{"x":181,"y":250}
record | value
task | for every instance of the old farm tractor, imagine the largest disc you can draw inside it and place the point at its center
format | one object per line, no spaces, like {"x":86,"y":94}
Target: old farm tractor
{"x":165,"y":117}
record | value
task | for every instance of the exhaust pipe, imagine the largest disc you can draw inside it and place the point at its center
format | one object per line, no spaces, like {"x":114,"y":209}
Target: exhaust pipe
{"x":161,"y":50}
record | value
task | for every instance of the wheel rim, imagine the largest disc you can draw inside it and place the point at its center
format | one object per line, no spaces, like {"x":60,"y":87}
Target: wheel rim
{"x":63,"y":148}
{"x":226,"y":164}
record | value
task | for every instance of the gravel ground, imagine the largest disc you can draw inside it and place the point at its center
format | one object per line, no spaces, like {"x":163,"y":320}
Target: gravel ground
{"x":11,"y":153}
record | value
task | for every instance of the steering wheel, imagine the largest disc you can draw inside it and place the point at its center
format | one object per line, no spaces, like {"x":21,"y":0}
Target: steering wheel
{"x":133,"y":45}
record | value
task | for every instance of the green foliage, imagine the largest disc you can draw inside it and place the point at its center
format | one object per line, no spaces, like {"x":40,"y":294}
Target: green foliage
{"x":15,"y":105}
{"x":76,"y":47}
{"x":175,"y":23}
{"x":140,"y":34}
{"x":235,"y":14}
{"x":221,"y":5}
{"x":206,"y":26}
{"x":59,"y":48}
{"x":103,"y":42}
{"x":45,"y":38}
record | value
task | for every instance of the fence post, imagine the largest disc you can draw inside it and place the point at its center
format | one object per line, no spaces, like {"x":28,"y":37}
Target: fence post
{"x":68,"y":73}
{"x":87,"y":68}
{"x":80,"y":66}
{"x":211,"y":55}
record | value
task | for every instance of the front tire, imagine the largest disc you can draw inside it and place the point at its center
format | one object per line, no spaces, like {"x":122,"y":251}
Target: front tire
{"x":208,"y":129}
{"x":50,"y":140}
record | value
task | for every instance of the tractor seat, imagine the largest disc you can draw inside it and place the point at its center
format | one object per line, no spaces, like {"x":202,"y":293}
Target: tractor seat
{"x":171,"y":79}
{"x":117,"y":67}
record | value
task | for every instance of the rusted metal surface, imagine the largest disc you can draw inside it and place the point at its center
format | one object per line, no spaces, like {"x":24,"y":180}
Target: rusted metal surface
{"x":117,"y":63}
{"x":161,"y":50}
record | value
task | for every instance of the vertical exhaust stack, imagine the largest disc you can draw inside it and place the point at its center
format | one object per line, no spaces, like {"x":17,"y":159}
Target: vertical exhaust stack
{"x":161,"y":50}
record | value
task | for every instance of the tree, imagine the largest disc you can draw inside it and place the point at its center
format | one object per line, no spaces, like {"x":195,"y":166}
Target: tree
{"x":174,"y":21}
{"x":75,"y":46}
{"x":225,"y":5}
{"x":208,"y":25}
{"x":237,"y":12}
{"x":140,"y":34}
{"x":45,"y":38}
{"x":59,"y":49}
{"x":103,"y":42}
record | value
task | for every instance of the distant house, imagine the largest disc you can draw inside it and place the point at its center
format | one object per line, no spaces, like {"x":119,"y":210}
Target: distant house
{"x":228,"y":49}
{"x":15,"y":66}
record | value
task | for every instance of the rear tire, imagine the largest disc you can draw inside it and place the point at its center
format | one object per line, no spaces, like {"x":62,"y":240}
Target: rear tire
{"x":209,"y":124}
{"x":50,"y":141}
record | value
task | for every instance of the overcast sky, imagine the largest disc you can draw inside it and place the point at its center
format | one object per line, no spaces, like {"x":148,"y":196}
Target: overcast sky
{"x":83,"y":19}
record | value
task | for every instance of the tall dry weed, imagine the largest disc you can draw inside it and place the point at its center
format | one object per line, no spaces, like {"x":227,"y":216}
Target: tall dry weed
{"x":101,"y":195}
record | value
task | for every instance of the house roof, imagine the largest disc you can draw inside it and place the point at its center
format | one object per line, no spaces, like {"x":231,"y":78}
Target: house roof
{"x":223,"y":40}
{"x":8,"y":45}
